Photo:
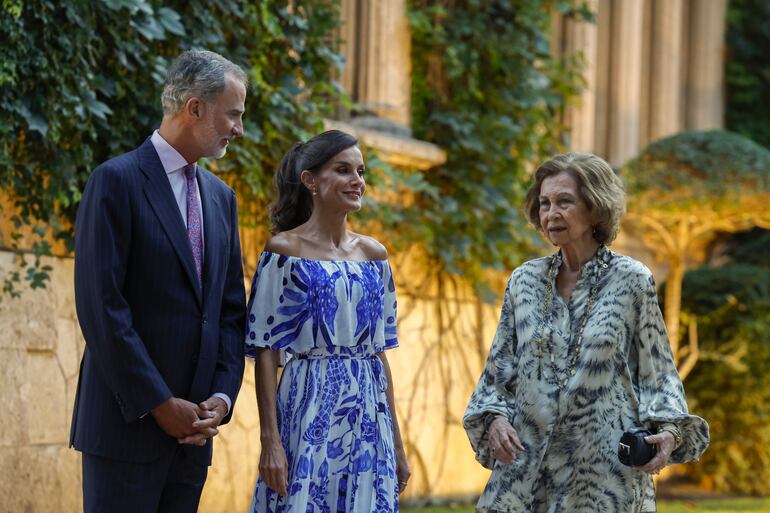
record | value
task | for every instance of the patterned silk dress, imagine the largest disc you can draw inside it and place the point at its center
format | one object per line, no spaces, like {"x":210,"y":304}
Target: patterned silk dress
{"x":570,"y":417}
{"x":329,"y":318}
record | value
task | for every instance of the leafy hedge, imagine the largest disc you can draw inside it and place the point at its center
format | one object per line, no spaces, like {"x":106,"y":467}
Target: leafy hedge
{"x":732,"y":303}
{"x":699,"y":164}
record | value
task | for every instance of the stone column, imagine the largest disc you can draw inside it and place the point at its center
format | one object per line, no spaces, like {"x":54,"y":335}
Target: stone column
{"x":580,"y":36}
{"x":348,"y":33}
{"x":384,"y":64}
{"x":705,"y":88}
{"x":602,"y":97}
{"x":666,"y":68}
{"x":625,"y":80}
{"x":645,"y":89}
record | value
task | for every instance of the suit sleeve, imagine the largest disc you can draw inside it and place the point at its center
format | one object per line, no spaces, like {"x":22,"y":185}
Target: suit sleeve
{"x":102,"y":246}
{"x":230,"y":362}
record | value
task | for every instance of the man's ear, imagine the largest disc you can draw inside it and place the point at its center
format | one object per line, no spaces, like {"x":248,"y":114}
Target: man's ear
{"x":194,"y":107}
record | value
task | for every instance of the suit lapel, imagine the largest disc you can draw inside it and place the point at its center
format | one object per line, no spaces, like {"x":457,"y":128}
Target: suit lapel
{"x":211,"y":235}
{"x":158,"y":191}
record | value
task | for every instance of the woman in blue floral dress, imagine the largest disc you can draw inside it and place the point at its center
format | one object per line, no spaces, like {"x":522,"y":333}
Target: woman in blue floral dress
{"x":323,"y":301}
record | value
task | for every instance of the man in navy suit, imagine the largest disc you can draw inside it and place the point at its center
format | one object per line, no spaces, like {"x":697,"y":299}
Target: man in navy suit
{"x":161,"y":300}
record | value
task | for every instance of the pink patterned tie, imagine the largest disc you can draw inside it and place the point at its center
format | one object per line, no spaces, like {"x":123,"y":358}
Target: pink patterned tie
{"x":194,"y":219}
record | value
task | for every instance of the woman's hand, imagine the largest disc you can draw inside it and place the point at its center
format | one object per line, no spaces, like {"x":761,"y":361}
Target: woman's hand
{"x":666,"y":444}
{"x":503,"y":440}
{"x":402,"y":469}
{"x":273,"y":466}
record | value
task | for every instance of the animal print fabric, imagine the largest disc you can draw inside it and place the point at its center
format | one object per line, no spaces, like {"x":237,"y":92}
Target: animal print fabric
{"x":624,"y":376}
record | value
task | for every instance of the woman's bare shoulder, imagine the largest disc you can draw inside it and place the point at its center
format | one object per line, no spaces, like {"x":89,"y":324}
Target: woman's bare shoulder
{"x":371,"y":248}
{"x":284,"y":243}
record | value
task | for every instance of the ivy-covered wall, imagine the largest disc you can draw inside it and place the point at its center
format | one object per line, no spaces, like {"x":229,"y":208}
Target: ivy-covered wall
{"x":488,"y":90}
{"x":80,"y":82}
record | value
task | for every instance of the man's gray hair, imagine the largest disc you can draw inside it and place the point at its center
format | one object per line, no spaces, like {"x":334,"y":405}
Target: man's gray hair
{"x":197,"y":73}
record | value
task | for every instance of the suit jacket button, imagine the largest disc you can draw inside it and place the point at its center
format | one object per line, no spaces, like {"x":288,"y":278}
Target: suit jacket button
{"x":203,"y":320}
{"x":194,"y":358}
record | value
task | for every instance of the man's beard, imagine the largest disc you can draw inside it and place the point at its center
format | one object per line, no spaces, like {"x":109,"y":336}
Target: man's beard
{"x":213,"y":149}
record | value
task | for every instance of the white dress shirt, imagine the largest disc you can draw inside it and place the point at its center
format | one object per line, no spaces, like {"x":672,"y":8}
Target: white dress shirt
{"x":173,"y":163}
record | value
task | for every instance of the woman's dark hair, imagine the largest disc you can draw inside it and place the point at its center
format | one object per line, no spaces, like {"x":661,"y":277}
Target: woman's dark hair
{"x":295,"y":204}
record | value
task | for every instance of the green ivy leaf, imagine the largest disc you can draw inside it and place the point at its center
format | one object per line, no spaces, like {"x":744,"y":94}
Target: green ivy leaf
{"x":171,"y":21}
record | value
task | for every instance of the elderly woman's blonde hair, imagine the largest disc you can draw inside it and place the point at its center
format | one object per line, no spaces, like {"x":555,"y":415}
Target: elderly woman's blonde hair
{"x":598,"y":186}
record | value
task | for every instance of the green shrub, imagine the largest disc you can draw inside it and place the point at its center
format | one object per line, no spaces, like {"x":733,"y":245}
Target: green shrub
{"x":732,"y":303}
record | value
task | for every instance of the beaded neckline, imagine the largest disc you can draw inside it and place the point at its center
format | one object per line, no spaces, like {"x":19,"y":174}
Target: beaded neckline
{"x":600,"y":263}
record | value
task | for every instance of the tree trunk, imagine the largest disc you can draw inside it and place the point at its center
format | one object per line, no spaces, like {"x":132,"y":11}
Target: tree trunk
{"x":673,"y":304}
{"x":694,"y":349}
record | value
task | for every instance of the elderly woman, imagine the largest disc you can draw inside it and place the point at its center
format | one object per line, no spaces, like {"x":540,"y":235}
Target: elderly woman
{"x":579,"y":357}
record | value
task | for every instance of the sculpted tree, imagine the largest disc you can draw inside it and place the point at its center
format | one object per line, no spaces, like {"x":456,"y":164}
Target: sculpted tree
{"x":684,"y":191}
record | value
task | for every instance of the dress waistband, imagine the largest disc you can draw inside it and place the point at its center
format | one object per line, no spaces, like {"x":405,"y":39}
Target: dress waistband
{"x":343,"y":353}
{"x":349,"y":353}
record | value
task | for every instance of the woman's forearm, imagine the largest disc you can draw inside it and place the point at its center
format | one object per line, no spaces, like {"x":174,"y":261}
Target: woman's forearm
{"x":391,"y":402}
{"x":265,"y":381}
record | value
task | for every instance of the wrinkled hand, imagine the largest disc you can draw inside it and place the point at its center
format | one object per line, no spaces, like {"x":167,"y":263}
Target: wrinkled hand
{"x":503,"y":440}
{"x":403,"y":473}
{"x":666,"y":443}
{"x":176,"y":416}
{"x":273,"y":467}
{"x":212,"y":411}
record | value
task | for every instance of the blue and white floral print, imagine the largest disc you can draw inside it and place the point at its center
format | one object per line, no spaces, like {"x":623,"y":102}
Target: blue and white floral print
{"x":331,"y":318}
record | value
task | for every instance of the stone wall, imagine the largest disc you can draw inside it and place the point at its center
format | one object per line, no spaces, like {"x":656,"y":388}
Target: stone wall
{"x":41,"y":346}
{"x":40,"y":351}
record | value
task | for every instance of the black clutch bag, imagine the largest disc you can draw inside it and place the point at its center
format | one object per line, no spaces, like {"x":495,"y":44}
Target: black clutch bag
{"x":633,"y":450}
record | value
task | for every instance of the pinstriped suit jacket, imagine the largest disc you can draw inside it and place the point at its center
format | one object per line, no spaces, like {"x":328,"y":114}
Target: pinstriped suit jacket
{"x":151,"y":331}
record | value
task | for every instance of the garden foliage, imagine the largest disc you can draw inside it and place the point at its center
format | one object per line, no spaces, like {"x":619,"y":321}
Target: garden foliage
{"x":80,"y":83}
{"x":488,"y":90}
{"x":732,"y":303}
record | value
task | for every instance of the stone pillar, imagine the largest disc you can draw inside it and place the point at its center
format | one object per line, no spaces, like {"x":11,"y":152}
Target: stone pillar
{"x":625,"y":80}
{"x":602,"y":97}
{"x":384,"y":64}
{"x":348,"y":33}
{"x":580,"y":36}
{"x":645,"y":89}
{"x":705,"y":87}
{"x":666,"y":68}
